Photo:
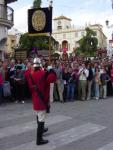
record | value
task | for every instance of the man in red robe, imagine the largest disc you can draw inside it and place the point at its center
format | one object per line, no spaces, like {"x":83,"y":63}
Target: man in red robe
{"x":39,"y":84}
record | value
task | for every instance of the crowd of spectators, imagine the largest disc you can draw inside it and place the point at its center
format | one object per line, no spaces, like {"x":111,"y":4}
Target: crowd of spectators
{"x":77,"y":79}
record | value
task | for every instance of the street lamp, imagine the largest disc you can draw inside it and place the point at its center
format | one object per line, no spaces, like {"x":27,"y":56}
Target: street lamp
{"x":107,"y":24}
{"x":107,"y":21}
{"x":50,"y":3}
{"x":110,"y":26}
{"x":112,"y":4}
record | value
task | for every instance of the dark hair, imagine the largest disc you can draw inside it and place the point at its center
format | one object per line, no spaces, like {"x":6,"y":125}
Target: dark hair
{"x":37,"y":68}
{"x":46,"y":65}
{"x":19,"y":67}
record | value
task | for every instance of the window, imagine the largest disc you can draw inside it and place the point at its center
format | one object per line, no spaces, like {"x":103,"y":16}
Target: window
{"x":67,"y":27}
{"x":76,"y":34}
{"x":95,"y":33}
{"x":59,"y":27}
{"x":12,"y":41}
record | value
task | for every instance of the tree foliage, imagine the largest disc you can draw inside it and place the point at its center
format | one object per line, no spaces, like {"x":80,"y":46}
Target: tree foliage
{"x":88,"y":44}
{"x":29,"y":42}
{"x":37,"y":3}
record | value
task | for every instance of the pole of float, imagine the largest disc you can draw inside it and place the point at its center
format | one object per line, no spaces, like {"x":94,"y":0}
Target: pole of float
{"x":49,"y":48}
{"x":50,"y":6}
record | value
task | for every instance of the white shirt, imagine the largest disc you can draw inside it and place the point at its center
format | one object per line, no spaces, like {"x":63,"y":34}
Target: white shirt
{"x":83,"y":74}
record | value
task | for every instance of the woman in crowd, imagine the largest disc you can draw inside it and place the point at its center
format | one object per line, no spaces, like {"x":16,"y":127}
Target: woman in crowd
{"x":19,"y":81}
{"x":11,"y":75}
{"x":1,"y":86}
{"x":111,"y":73}
{"x":104,"y":78}
{"x":71,"y":85}
{"x":97,"y":83}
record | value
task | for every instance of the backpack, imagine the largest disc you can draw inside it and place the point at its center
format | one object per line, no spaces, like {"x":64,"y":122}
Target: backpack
{"x":6,"y":89}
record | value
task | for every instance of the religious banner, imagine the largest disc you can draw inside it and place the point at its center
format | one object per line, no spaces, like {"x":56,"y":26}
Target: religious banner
{"x":40,"y":20}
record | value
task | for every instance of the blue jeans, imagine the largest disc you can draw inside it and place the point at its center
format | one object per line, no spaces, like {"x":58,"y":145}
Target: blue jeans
{"x":70,"y":91}
{"x":93,"y":89}
{"x":97,"y":93}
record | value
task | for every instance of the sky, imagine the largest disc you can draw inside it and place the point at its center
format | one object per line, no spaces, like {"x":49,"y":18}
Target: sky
{"x":81,"y":12}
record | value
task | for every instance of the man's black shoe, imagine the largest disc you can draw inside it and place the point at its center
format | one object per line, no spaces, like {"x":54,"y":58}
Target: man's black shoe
{"x":42,"y":142}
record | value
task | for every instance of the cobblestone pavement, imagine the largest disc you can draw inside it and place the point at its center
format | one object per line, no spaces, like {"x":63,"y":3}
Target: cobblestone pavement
{"x":79,"y":125}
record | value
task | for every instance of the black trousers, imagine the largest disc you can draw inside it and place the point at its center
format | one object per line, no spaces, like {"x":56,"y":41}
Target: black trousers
{"x":19,"y":91}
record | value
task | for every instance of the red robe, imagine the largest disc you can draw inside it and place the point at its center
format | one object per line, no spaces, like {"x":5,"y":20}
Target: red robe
{"x":43,"y":84}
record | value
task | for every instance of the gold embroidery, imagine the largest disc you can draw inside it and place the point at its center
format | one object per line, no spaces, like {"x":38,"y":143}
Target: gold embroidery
{"x":39,"y":20}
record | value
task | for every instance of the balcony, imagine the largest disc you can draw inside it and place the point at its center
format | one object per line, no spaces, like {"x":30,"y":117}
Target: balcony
{"x":6,"y":16}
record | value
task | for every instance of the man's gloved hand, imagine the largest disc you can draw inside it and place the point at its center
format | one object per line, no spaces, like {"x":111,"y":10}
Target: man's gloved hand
{"x":49,"y":68}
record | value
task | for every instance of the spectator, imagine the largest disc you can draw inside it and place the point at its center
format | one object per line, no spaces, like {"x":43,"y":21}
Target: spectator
{"x":59,"y":81}
{"x":71,"y":85}
{"x":111,"y":73}
{"x":104,"y":78}
{"x":97,"y":83}
{"x":83,"y":74}
{"x":89,"y":82}
{"x":19,"y":80}
{"x":1,"y":86}
{"x":11,"y":75}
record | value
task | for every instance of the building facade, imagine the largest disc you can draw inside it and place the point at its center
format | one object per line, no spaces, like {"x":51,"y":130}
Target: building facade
{"x":110,"y":52}
{"x":12,"y":42}
{"x":67,"y":35}
{"x":6,"y":22}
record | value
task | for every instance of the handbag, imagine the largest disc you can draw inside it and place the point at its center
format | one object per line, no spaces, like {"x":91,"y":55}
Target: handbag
{"x":6,"y":89}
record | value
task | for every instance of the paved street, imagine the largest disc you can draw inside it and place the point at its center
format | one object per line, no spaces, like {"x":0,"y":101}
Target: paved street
{"x":76,"y":125}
